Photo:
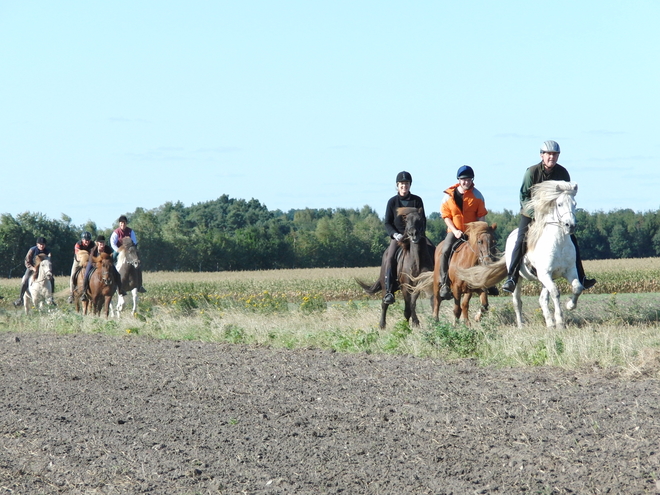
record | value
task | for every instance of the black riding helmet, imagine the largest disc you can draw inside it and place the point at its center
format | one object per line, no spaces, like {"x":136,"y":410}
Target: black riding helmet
{"x":86,"y":236}
{"x":404,"y":177}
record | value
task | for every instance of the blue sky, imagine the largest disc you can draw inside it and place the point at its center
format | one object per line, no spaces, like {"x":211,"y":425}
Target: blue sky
{"x":110,"y":106}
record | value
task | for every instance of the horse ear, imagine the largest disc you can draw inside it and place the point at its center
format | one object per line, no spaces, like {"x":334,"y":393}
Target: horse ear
{"x":494,"y":226}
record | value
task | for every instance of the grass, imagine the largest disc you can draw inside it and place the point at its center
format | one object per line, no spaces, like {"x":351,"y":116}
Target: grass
{"x":324,"y":308}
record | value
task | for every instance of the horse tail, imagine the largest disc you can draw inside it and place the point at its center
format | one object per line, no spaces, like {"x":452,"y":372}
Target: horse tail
{"x":372,"y":289}
{"x":421,"y":283}
{"x":480,"y":276}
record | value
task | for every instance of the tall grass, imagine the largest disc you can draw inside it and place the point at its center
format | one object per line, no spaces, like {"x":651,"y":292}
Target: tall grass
{"x":326,"y":309}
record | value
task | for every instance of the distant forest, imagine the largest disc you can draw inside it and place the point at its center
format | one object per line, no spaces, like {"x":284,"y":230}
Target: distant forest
{"x":235,"y":234}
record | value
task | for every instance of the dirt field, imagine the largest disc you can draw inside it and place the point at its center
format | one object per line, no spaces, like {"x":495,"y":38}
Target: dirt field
{"x":94,"y":414}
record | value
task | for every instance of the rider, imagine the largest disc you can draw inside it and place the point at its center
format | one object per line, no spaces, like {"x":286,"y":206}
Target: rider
{"x":115,"y":241}
{"x":395,"y":229}
{"x":463,"y":203}
{"x":546,"y":169}
{"x":100,"y":247}
{"x":84,"y":244}
{"x":30,"y":266}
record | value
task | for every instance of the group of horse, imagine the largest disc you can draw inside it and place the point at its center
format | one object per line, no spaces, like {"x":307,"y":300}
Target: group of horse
{"x":102,"y":285}
{"x":475,"y":265}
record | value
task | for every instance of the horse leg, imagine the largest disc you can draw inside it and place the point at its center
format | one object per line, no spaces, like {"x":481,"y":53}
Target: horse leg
{"x":457,"y":307}
{"x":120,"y":303}
{"x":383,"y":315}
{"x":436,"y":290}
{"x":135,"y":300}
{"x":413,"y":309}
{"x":577,"y":289}
{"x":517,"y":305}
{"x":465,"y":307}
{"x":544,"y":301}
{"x":483,"y":298}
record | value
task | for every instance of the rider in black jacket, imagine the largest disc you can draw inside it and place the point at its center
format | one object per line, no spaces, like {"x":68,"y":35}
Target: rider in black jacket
{"x":395,"y":229}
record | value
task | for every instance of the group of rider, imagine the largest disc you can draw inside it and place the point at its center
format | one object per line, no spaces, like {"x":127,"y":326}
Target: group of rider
{"x":462,"y":204}
{"x":94,"y":248}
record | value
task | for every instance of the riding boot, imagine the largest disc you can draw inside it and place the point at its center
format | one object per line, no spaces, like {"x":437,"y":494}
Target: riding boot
{"x":445,"y":289}
{"x":587,"y":283}
{"x":24,"y":286}
{"x":517,"y":255}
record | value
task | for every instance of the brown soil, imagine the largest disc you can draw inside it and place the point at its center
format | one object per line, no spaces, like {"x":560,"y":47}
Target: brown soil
{"x":96,"y":414}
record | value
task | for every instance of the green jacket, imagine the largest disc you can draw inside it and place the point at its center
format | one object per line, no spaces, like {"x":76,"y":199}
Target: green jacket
{"x":535,"y":175}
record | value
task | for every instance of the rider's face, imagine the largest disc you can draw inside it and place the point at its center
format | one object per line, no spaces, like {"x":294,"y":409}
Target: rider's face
{"x":100,"y":244}
{"x":85,"y":242}
{"x":41,"y":246}
{"x":122,"y":225}
{"x":549,"y":159}
{"x":465,"y":184}
{"x":403,"y":188}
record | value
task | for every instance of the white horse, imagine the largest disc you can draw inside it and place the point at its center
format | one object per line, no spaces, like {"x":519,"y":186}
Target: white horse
{"x":40,"y":289}
{"x":550,"y":252}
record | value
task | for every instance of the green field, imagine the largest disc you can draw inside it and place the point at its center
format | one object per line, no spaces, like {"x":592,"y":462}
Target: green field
{"x":616,"y":324}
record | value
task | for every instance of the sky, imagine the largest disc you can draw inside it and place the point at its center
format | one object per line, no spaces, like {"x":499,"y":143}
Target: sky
{"x":110,"y":106}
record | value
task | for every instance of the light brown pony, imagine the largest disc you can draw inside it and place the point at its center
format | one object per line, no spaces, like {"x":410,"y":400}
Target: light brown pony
{"x":79,"y":278}
{"x":102,"y":285}
{"x":479,"y":249}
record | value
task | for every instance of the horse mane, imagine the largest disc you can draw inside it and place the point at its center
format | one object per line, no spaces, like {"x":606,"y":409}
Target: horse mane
{"x":402,"y":211}
{"x":474,"y":229}
{"x":83,"y":258}
{"x":544,"y":198}
{"x":102,"y":257}
{"x":126,"y":243}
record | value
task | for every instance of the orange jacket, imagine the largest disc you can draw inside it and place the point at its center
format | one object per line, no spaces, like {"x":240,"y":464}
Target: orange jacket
{"x":474,"y":206}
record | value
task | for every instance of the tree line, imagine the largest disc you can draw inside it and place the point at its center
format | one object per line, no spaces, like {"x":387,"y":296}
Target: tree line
{"x":235,"y":234}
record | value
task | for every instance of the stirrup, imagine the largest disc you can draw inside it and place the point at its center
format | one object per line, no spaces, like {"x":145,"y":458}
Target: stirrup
{"x":509,"y":285}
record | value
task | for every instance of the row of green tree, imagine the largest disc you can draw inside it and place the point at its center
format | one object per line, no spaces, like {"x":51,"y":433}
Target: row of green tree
{"x":235,"y":234}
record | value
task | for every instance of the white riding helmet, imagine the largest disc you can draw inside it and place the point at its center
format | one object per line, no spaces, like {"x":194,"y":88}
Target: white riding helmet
{"x":550,"y":147}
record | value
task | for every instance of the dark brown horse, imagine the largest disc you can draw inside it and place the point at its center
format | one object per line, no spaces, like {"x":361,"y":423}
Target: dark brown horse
{"x":478,"y":249}
{"x":102,"y":285}
{"x":413,"y":258}
{"x":128,"y":265}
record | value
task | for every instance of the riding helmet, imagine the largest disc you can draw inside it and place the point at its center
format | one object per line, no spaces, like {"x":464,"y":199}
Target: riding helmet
{"x":404,"y":177}
{"x":100,"y":238}
{"x":86,"y":236}
{"x":550,"y":147}
{"x":465,"y":172}
{"x":123,"y":219}
{"x":41,"y":240}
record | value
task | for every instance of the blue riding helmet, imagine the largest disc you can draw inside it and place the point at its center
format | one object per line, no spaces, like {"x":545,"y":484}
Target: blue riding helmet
{"x":86,"y":236}
{"x":465,"y":172}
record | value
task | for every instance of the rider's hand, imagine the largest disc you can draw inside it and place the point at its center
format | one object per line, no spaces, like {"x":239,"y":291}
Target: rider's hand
{"x":458,"y":234}
{"x":398,"y":237}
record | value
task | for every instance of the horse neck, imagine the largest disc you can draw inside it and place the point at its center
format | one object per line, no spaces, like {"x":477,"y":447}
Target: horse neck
{"x":416,"y":253}
{"x":546,"y":224}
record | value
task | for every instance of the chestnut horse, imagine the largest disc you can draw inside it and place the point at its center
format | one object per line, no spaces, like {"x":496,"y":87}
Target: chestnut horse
{"x":102,"y":285}
{"x":413,"y":258}
{"x":478,"y":249}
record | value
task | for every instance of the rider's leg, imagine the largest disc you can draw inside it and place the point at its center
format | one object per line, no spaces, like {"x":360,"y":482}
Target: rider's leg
{"x":447,"y":245}
{"x":24,"y":286}
{"x":587,"y":283}
{"x":88,"y":270}
{"x":390,"y":272}
{"x":72,"y":279}
{"x":517,"y":254}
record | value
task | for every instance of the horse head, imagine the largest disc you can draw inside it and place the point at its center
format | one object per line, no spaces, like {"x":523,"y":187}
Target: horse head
{"x":128,"y":253}
{"x":414,"y":220}
{"x":45,"y":270}
{"x":481,"y":238}
{"x":566,"y":207}
{"x":104,"y":267}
